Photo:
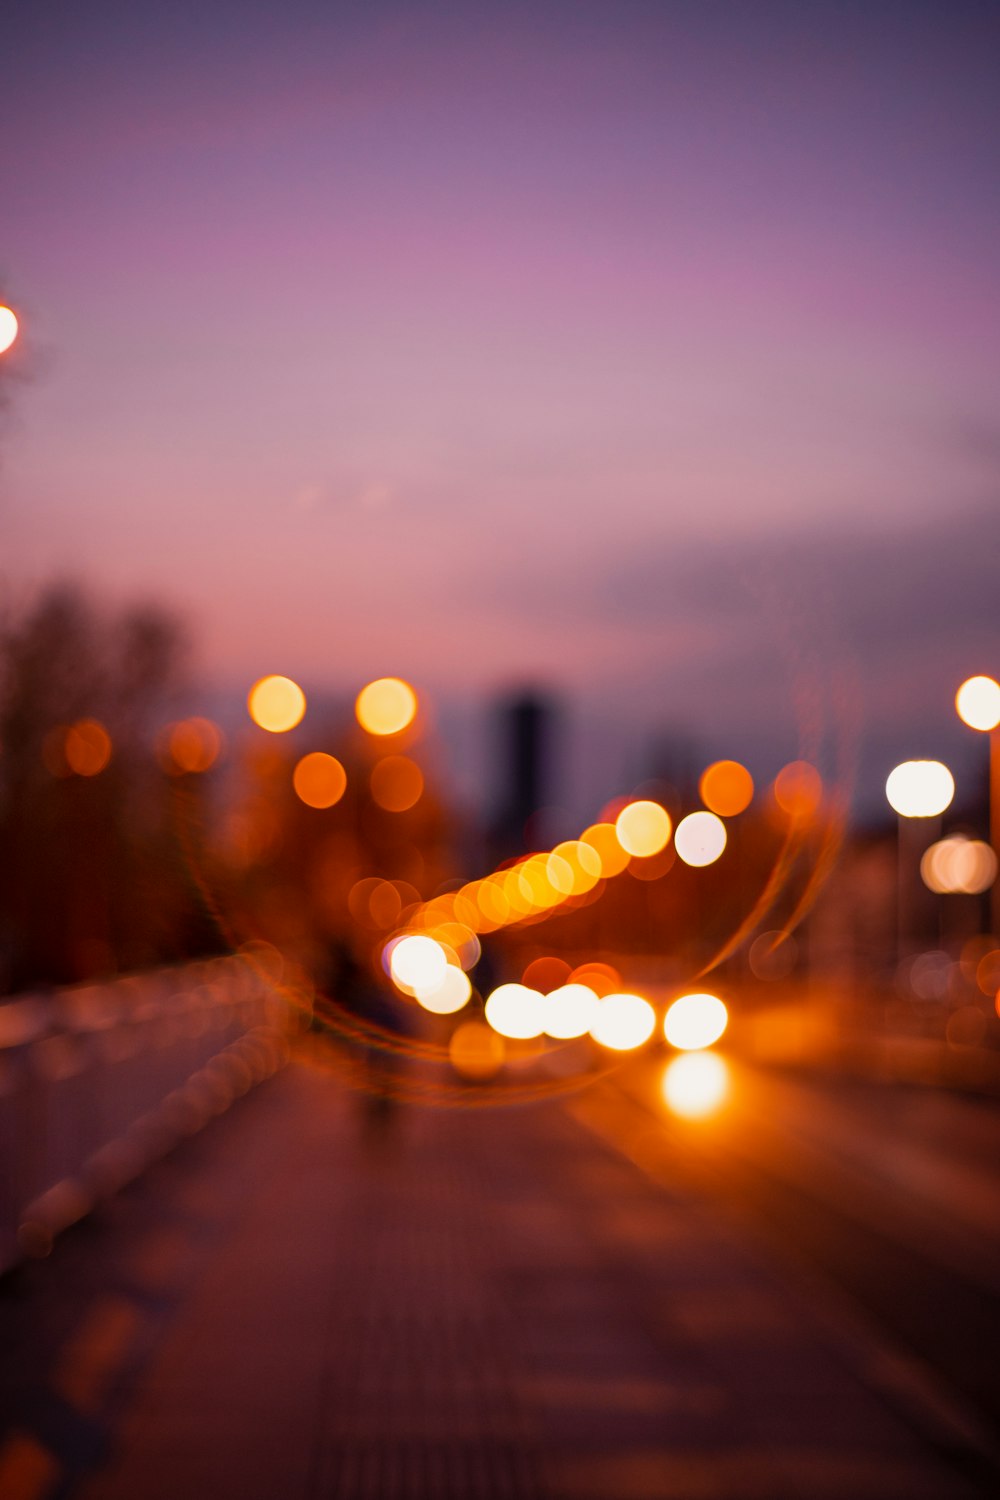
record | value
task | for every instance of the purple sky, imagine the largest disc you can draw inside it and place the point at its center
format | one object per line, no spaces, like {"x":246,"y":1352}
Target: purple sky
{"x":643,"y":350}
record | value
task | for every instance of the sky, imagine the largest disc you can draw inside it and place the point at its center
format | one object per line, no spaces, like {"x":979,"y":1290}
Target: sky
{"x":648,"y":353}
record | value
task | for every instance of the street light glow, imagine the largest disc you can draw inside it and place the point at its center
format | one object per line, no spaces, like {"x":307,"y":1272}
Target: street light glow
{"x":570,"y":1011}
{"x":958,"y":866}
{"x":453,"y":992}
{"x":726,"y":788}
{"x":8,"y":328}
{"x":700,"y":838}
{"x":515,"y":1011}
{"x":276,"y":704}
{"x":386,"y":706}
{"x":695,"y":1084}
{"x":643,"y":828}
{"x":978,"y":703}
{"x":920,"y":788}
{"x":319,"y":779}
{"x":623,"y":1022}
{"x":695,"y":1021}
{"x":417,"y":963}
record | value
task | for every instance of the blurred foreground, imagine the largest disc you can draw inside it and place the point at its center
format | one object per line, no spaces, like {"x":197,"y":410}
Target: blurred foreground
{"x":316,"y":1297}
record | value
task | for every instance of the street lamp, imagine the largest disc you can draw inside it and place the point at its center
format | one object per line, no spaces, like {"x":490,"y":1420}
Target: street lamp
{"x":978,"y":705}
{"x":917,"y":790}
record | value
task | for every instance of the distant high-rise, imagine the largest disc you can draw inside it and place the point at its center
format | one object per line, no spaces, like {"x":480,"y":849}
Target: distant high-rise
{"x":524,"y":738}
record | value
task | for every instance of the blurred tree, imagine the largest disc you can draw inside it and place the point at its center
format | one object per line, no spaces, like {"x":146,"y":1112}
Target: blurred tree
{"x":92,"y":878}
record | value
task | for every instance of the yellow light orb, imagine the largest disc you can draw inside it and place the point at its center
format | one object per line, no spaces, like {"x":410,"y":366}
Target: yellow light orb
{"x":491,"y":900}
{"x":602,"y":838}
{"x":319,"y":779}
{"x":558,"y":874}
{"x":8,"y":328}
{"x":700,"y":838}
{"x":920,"y":788}
{"x":569,"y":1011}
{"x":623,"y":1022}
{"x":584,"y":863}
{"x":476,"y":1052}
{"x":276,"y":704}
{"x":726,"y":788}
{"x":460,"y":937}
{"x":417,"y":963}
{"x":386,"y":706}
{"x":978,"y":703}
{"x":515,"y":1011}
{"x":695,"y":1084}
{"x":695,"y":1021}
{"x":643,"y":828}
{"x":449,"y":996}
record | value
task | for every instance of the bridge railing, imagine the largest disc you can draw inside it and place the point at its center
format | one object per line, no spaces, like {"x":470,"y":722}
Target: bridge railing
{"x":99,"y":1080}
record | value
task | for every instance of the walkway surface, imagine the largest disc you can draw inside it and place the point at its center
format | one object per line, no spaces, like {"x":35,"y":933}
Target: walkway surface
{"x":468,"y":1303}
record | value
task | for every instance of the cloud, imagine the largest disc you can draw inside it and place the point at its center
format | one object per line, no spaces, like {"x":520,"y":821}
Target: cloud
{"x":317,"y":496}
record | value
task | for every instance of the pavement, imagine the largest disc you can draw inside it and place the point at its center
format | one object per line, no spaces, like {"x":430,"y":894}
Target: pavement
{"x":309,"y":1300}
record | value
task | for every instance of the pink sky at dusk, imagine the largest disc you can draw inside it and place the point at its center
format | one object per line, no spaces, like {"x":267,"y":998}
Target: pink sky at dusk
{"x":385,"y":340}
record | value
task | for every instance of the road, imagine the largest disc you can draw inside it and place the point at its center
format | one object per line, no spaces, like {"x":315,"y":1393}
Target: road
{"x":580,"y":1301}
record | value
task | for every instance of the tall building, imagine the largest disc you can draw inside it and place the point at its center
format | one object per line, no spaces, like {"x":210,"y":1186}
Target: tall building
{"x":525,"y":726}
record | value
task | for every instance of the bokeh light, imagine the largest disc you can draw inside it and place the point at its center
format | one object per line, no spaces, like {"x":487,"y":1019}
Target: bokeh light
{"x":386,"y":706}
{"x":602,"y":838}
{"x":581,"y":861}
{"x":920,"y":788}
{"x":602,"y":978}
{"x":695,"y":1084}
{"x":569,"y":1011}
{"x":700,"y":838}
{"x":643,"y":828}
{"x":384,"y":905}
{"x":417,"y":963}
{"x":476,"y":1051}
{"x":623,"y":1021}
{"x":958,"y":866}
{"x":798,"y":789}
{"x":449,"y":996}
{"x":192,"y":746}
{"x":726,"y":788}
{"x":546,"y":974}
{"x":555,"y":878}
{"x":397,"y":783}
{"x":319,"y":779}
{"x":8,"y":328}
{"x":515,"y":1011}
{"x":461,"y":939}
{"x":87,"y":747}
{"x":978,"y":703}
{"x":695,"y":1021}
{"x":276,"y":704}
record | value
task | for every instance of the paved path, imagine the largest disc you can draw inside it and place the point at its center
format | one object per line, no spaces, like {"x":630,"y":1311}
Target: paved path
{"x":471,"y":1303}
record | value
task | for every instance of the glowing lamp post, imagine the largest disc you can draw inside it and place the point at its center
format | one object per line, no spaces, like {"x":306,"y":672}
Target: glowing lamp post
{"x":978,"y":705}
{"x":917,"y":791}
